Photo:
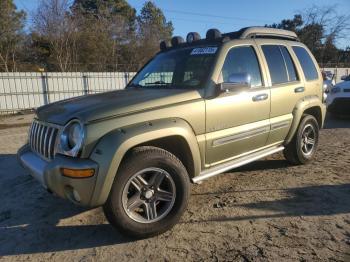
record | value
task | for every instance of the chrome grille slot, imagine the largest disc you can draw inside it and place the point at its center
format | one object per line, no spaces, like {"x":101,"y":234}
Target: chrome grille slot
{"x":42,"y":138}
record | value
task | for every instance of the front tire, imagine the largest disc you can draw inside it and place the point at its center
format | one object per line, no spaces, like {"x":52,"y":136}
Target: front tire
{"x":304,"y":144}
{"x":149,"y":193}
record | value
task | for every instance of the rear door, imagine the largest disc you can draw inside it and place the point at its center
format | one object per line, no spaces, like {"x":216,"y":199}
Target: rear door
{"x":287,"y":87}
{"x":309,"y":69}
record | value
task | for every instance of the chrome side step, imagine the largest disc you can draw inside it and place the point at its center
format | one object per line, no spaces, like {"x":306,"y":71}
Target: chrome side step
{"x":216,"y":170}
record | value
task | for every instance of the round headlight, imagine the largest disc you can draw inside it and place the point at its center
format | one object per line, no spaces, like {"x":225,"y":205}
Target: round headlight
{"x":72,"y":138}
{"x":74,"y":135}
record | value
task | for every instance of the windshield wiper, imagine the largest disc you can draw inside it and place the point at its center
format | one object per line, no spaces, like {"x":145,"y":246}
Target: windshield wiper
{"x":157,"y":83}
{"x":135,"y":85}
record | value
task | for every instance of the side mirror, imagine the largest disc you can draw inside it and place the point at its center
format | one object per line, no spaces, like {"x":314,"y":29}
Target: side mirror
{"x":236,"y":82}
{"x":343,"y":78}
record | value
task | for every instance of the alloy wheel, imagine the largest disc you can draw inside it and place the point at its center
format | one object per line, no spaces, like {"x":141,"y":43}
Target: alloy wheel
{"x":308,"y":139}
{"x":149,"y":195}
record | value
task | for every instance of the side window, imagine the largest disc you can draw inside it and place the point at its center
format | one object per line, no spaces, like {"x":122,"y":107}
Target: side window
{"x":306,"y":63}
{"x":275,"y":61}
{"x":292,"y":73}
{"x":242,"y":60}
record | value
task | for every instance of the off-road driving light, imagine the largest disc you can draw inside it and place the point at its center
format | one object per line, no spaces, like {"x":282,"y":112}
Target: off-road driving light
{"x":213,"y":34}
{"x":192,"y":36}
{"x":176,"y":40}
{"x":164,"y":45}
{"x":77,"y":173}
{"x":72,"y":138}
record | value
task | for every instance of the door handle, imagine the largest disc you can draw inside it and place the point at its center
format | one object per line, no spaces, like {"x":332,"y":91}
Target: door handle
{"x":299,"y":89}
{"x":260,"y":97}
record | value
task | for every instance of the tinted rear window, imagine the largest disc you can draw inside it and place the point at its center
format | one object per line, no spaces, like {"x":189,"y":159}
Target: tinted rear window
{"x":275,"y":61}
{"x":306,"y":63}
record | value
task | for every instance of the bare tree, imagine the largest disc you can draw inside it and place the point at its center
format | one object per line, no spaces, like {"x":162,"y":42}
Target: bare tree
{"x":320,"y":28}
{"x":333,"y":27}
{"x":54,"y":24}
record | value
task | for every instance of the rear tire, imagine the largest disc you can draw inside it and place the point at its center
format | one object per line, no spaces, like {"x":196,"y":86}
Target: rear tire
{"x":149,"y":194}
{"x":303,"y":146}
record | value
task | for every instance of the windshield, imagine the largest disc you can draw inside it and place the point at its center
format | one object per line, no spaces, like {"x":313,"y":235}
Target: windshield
{"x":182,"y":68}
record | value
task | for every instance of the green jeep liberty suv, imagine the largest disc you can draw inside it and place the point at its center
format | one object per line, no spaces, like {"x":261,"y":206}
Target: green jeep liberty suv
{"x":197,"y":109}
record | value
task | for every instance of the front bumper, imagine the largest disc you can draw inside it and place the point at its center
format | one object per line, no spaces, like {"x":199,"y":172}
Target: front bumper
{"x":48,"y":173}
{"x":340,"y":106}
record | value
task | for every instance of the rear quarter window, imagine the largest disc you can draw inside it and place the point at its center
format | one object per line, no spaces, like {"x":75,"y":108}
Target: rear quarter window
{"x":306,"y":62}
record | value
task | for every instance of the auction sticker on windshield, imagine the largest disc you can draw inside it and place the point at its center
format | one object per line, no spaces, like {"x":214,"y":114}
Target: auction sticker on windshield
{"x":204,"y":50}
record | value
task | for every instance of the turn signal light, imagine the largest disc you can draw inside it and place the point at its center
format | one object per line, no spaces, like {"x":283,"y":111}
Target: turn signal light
{"x":77,"y":173}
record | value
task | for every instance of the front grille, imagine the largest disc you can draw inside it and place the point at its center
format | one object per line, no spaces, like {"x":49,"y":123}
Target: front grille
{"x":42,"y":138}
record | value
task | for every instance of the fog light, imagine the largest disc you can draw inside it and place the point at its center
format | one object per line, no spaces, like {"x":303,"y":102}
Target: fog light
{"x":77,"y":173}
{"x":76,"y":195}
{"x":72,"y":194}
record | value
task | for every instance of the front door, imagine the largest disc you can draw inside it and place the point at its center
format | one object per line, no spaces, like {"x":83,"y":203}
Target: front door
{"x":238,"y":122}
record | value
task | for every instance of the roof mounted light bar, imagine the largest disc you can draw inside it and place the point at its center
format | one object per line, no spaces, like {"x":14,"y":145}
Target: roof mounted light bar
{"x":192,"y":36}
{"x":214,"y":36}
{"x":176,"y":40}
{"x":164,"y":45}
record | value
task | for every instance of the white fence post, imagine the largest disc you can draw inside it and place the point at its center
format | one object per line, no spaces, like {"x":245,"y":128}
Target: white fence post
{"x":126,"y":77}
{"x":86,"y":84}
{"x":45,"y":89}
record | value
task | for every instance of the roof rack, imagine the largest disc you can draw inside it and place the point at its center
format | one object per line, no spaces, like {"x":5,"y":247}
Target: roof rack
{"x":266,"y":32}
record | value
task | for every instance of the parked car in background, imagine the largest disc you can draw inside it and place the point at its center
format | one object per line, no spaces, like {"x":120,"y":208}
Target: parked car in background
{"x":338,"y":98}
{"x":328,"y":75}
{"x":345,"y":78}
{"x":328,"y":82}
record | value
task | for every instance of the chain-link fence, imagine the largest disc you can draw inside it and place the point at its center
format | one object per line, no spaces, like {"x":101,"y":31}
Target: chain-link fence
{"x":23,"y":91}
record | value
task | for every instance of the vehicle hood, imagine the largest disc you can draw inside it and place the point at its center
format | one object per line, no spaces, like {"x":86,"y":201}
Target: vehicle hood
{"x":112,"y":104}
{"x":344,"y":84}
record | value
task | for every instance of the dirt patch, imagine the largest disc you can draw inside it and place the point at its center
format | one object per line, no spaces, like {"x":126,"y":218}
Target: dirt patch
{"x":266,"y":211}
{"x":14,"y":125}
{"x":17,"y":120}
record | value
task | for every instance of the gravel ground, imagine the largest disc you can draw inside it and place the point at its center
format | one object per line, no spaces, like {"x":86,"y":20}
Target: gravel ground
{"x":266,"y":211}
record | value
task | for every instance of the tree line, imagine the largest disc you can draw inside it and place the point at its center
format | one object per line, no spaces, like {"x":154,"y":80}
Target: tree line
{"x":109,"y":35}
{"x":320,"y":28}
{"x":80,"y":35}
